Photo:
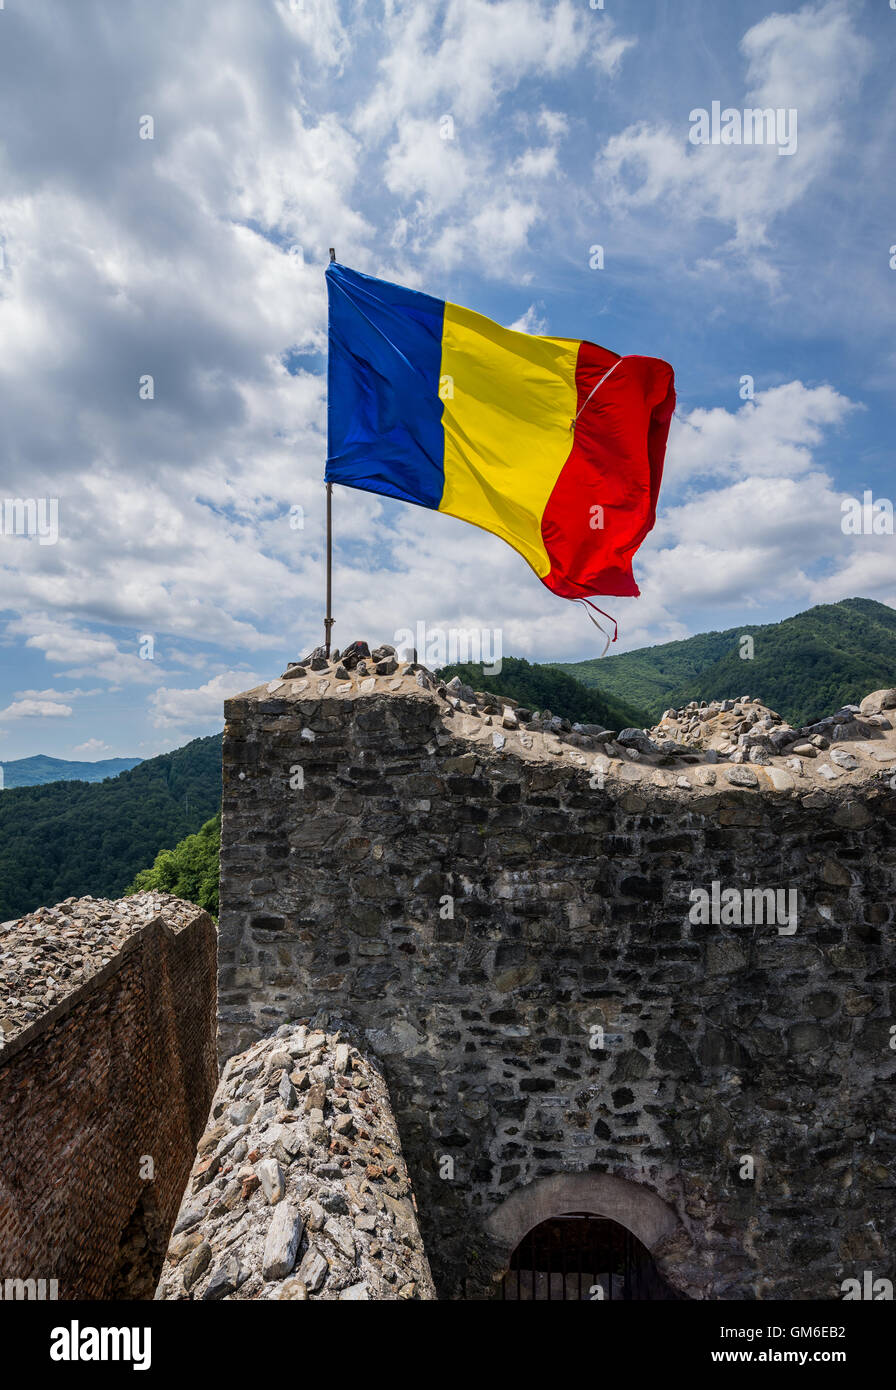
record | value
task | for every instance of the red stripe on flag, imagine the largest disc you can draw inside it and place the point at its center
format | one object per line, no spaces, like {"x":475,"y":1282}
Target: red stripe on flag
{"x":604,"y":501}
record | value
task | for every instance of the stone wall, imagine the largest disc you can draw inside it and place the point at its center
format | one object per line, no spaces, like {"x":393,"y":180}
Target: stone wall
{"x":299,"y":1190}
{"x":509,"y":923}
{"x":104,"y":1094}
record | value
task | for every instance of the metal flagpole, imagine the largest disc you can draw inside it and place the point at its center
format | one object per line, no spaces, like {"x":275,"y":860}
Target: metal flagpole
{"x":328,"y":620}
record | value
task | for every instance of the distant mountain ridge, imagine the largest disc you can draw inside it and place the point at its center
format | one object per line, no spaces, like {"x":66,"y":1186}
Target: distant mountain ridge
{"x":40,"y":769}
{"x":67,"y":839}
{"x":804,"y":667}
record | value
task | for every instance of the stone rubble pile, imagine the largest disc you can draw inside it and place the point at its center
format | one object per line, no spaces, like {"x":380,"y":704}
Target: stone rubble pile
{"x":52,"y":951}
{"x":856,"y":743}
{"x":299,"y":1190}
{"x":745,"y":730}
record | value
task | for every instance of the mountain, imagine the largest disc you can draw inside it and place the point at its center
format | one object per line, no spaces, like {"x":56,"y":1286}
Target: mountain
{"x":803,"y":667}
{"x":34,"y":772}
{"x":69,"y":839}
{"x":550,"y":687}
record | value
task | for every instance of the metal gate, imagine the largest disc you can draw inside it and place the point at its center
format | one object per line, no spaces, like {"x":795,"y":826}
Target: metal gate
{"x":581,"y":1256}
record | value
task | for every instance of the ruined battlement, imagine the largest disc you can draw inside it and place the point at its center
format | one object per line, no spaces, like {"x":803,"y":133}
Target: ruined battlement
{"x":528,"y":924}
{"x":702,"y":751}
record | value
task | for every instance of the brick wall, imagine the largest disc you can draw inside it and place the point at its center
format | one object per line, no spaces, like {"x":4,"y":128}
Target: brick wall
{"x":102,"y":1102}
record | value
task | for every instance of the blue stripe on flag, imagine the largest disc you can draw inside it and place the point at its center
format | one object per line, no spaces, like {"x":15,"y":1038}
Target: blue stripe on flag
{"x":384,"y":416}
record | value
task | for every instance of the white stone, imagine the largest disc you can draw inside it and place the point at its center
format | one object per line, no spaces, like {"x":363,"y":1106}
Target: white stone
{"x":780,"y":780}
{"x":283,"y":1239}
{"x":273,"y":1183}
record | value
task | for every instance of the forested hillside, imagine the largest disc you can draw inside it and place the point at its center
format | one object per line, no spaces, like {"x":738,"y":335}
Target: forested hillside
{"x":803,"y":667}
{"x":547,"y":687}
{"x":76,"y":838}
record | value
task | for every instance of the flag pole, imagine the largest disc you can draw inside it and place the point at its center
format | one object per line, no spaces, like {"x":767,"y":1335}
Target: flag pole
{"x":328,"y":620}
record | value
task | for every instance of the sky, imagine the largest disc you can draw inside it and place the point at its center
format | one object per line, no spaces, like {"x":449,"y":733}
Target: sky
{"x":171,"y":178}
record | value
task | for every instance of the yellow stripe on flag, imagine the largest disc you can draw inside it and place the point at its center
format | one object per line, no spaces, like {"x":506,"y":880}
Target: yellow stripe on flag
{"x":508,"y":400}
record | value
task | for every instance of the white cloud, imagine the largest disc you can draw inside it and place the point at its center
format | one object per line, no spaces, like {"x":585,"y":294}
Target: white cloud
{"x":470,"y":54}
{"x":201,"y":706}
{"x":93,"y":745}
{"x":36,"y":709}
{"x":812,"y":61}
{"x":57,"y":694}
{"x":532,"y":321}
{"x":774,"y":434}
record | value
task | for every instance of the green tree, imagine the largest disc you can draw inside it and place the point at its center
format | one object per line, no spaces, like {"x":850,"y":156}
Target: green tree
{"x":190,"y":870}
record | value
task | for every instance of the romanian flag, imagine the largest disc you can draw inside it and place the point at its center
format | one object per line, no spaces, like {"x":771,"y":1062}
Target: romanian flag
{"x":554,"y":444}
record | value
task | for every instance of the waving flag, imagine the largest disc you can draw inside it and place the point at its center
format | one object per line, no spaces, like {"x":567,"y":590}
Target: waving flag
{"x":554,"y":444}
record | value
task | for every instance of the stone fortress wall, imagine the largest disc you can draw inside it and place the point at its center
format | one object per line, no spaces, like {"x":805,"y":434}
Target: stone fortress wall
{"x":518,"y":917}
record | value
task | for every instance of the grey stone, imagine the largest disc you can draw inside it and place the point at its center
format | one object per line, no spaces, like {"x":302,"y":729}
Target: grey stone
{"x":225,"y":1280}
{"x":197,"y":1263}
{"x":287,"y":1092}
{"x":313,"y":1270}
{"x":340,"y":1237}
{"x":636,"y":739}
{"x":742,"y":777}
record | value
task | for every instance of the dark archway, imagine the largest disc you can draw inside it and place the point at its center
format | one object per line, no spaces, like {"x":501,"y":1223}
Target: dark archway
{"x":580,"y":1256}
{"x":641,"y":1214}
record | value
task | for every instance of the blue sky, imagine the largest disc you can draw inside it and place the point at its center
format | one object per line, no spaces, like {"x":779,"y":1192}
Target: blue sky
{"x":478,"y":151}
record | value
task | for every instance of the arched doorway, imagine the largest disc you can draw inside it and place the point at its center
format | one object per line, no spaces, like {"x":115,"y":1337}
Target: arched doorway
{"x":629,"y":1242}
{"x":579,"y":1256}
